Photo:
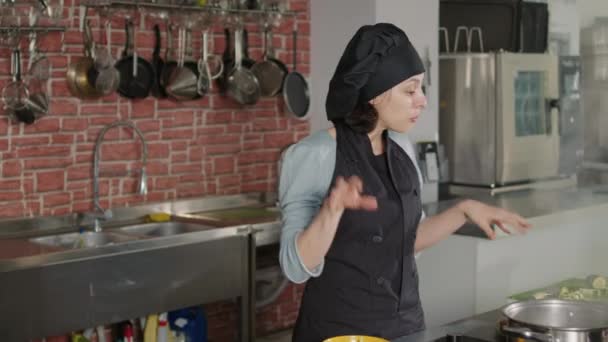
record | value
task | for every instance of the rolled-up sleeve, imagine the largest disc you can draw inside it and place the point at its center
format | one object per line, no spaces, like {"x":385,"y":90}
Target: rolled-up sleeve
{"x":303,"y":185}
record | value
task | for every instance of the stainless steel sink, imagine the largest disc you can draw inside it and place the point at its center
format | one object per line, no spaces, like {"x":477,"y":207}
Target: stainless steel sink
{"x":82,"y":240}
{"x":159,"y":229}
{"x":119,"y":235}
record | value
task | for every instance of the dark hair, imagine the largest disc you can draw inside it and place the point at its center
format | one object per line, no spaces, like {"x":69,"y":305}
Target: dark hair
{"x":363,"y":118}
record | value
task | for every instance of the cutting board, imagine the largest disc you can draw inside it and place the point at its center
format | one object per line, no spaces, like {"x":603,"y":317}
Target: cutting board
{"x":237,"y":216}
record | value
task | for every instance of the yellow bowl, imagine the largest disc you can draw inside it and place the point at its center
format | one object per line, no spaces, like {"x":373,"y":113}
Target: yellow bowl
{"x":355,"y":338}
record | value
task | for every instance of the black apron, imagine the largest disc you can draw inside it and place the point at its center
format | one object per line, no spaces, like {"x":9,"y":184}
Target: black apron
{"x":369,"y":284}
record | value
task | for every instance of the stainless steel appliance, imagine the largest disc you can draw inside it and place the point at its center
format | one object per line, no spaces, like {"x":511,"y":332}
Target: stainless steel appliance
{"x":572,"y":136}
{"x":509,"y":25}
{"x":594,"y":84}
{"x":499,"y":117}
{"x":594,"y":62}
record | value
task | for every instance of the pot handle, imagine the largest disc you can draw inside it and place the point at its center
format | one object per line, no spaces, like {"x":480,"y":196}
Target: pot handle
{"x":527,"y":333}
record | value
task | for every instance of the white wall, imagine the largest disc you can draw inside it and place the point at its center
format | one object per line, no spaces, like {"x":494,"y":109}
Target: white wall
{"x":420,"y":21}
{"x":334,"y":22}
{"x":591,"y":9}
{"x":562,"y":22}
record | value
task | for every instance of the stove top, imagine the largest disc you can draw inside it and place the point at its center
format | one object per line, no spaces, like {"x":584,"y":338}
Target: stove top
{"x":460,"y":338}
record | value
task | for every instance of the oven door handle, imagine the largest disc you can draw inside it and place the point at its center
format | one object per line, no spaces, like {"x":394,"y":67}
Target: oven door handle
{"x":551,"y":105}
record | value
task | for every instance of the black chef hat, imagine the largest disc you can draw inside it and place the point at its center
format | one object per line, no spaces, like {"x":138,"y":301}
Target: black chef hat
{"x":376,"y":59}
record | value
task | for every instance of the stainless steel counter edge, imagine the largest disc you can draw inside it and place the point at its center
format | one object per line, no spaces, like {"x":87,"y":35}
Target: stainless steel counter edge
{"x":46,"y":225}
{"x":549,"y":201}
{"x":126,"y":247}
{"x":528,"y":203}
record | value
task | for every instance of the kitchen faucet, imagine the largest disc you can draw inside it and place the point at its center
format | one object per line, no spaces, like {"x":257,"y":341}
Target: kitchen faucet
{"x":102,"y":214}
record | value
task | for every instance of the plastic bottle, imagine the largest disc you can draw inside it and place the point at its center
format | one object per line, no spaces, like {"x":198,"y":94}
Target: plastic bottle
{"x":151,"y":328}
{"x":128,"y":332}
{"x":163,"y":328}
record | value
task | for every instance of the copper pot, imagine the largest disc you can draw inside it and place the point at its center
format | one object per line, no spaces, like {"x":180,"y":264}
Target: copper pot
{"x":78,"y":73}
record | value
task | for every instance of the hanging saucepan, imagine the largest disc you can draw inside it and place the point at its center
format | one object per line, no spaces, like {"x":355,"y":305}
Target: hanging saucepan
{"x":243,"y":86}
{"x":78,"y":72}
{"x":270,"y":72}
{"x":552,"y":320}
{"x":158,"y":65}
{"x":136,"y":74}
{"x":295,"y":87}
{"x":182,"y":83}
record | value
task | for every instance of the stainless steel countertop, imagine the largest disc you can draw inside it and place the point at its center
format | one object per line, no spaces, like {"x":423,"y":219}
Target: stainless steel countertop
{"x":482,"y":326}
{"x":47,"y":225}
{"x":528,"y":203}
{"x":16,"y":251}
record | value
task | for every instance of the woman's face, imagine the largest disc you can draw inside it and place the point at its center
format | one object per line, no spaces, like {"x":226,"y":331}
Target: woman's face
{"x":400,"y":107}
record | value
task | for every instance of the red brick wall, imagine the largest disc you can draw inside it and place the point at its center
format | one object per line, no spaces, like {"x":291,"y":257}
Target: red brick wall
{"x":280,"y":315}
{"x":205,"y":147}
{"x":197,"y":148}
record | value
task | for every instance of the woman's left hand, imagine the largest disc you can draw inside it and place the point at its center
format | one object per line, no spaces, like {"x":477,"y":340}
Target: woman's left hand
{"x":485,"y":216}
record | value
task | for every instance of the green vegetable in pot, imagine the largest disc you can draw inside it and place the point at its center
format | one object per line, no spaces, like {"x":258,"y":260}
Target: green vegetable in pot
{"x":541,"y":295}
{"x":597,"y":281}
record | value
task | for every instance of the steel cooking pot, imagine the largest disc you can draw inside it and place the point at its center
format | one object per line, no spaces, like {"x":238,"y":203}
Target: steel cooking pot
{"x":555,"y":320}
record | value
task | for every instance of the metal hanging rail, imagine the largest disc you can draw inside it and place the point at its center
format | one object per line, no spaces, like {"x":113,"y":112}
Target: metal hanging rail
{"x":30,"y":29}
{"x":171,"y":7}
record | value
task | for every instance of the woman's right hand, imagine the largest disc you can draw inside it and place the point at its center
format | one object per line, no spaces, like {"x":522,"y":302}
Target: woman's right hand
{"x":347,"y":194}
{"x":314,"y":242}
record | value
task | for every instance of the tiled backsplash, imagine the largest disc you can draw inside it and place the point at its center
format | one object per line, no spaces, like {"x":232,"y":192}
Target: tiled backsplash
{"x":204,"y":147}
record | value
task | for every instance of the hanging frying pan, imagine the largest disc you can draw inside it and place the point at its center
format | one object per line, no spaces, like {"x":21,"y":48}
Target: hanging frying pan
{"x":270,"y":72}
{"x":136,"y":73}
{"x":158,"y":64}
{"x":295,"y":87}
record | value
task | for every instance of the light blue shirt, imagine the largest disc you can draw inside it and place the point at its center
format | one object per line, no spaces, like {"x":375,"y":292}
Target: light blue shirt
{"x":307,"y":169}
